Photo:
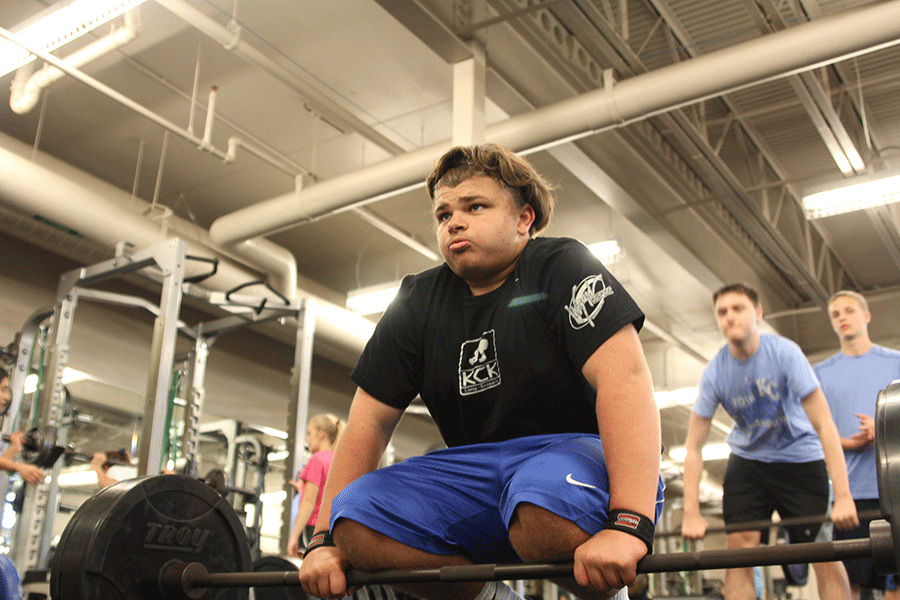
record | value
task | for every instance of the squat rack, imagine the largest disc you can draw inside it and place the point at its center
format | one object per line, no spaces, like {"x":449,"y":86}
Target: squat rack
{"x":163,"y":263}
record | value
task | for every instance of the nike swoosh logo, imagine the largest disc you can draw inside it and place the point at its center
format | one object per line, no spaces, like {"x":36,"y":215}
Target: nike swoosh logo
{"x":573,"y":481}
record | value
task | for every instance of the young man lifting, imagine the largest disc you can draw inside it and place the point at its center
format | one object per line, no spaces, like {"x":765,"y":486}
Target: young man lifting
{"x":526,"y":352}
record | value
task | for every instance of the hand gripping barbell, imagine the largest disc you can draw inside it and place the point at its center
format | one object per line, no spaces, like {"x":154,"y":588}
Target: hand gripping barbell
{"x":171,"y":536}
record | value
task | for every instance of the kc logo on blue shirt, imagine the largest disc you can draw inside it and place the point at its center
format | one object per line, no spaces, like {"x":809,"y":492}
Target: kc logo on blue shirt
{"x":478,"y":366}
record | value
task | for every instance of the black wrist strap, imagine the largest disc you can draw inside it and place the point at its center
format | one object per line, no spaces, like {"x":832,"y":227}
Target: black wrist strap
{"x":634,"y":523}
{"x":320,"y":540}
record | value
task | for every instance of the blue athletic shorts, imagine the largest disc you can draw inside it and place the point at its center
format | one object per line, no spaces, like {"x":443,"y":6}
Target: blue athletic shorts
{"x":461,"y":500}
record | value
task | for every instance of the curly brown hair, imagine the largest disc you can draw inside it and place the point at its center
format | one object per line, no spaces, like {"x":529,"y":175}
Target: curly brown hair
{"x":528,"y":187}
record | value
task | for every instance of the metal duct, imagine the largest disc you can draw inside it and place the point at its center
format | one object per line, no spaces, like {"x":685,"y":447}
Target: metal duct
{"x":108,"y":215}
{"x":801,"y":48}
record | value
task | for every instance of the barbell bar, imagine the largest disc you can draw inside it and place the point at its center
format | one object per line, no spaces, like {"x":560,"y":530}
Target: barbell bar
{"x":866,"y":515}
{"x":174,"y":537}
{"x":191,"y":580}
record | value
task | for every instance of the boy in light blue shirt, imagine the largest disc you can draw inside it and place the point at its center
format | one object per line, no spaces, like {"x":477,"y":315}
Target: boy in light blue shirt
{"x":851,"y":380}
{"x":784,"y":443}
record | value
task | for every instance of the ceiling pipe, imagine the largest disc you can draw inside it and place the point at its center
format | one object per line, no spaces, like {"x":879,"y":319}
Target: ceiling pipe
{"x":798,"y":49}
{"x":322,"y":104}
{"x":111,"y":93}
{"x":277,"y":263}
{"x":24,"y":94}
{"x":106,"y":214}
{"x":58,"y":67}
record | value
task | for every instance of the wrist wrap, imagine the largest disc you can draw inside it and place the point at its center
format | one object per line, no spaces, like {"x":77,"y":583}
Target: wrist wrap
{"x":634,"y":523}
{"x":320,"y":540}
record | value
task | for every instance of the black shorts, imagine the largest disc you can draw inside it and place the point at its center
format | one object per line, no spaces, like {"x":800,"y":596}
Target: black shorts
{"x":861,"y":571}
{"x":752,"y":490}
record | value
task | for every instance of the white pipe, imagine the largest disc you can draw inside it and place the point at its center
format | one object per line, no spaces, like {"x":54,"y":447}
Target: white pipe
{"x":276,"y":262}
{"x":210,"y":119}
{"x":801,"y":48}
{"x":105,"y":89}
{"x":106,"y":214}
{"x":24,"y":96}
{"x":401,"y":236}
{"x":270,"y":258}
{"x":332,"y":112}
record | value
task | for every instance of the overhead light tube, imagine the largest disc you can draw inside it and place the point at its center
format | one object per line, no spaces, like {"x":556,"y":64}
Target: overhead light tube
{"x":57,"y":26}
{"x":374,"y":299}
{"x":855,"y":193}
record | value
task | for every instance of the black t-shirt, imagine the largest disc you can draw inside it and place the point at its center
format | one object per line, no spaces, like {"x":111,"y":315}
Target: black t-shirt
{"x":506,"y":364}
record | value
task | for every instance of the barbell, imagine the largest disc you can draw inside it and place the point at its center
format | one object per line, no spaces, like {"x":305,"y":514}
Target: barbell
{"x":40,"y":449}
{"x":173,"y":537}
{"x":866,"y":515}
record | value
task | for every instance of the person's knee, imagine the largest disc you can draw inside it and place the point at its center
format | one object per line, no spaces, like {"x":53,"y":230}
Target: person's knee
{"x":744,"y":539}
{"x":370,"y":550}
{"x":538,"y":535}
{"x":358,"y":544}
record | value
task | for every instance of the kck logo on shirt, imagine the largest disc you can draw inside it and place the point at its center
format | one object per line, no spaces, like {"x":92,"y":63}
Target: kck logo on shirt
{"x":478,"y":366}
{"x":587,"y":300}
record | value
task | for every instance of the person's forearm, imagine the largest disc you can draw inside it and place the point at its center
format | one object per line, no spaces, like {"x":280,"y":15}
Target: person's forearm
{"x":304,"y":512}
{"x":103,"y":479}
{"x":693,"y":469}
{"x":816,"y":407}
{"x":348,"y":465}
{"x":834,"y":459}
{"x":630,"y":431}
{"x":853,"y":444}
{"x":7,"y":463}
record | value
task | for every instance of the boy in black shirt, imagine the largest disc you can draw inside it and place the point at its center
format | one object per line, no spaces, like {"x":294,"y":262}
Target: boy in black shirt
{"x":526,"y":353}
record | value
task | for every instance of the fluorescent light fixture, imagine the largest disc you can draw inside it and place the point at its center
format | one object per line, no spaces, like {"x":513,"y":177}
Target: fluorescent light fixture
{"x":57,"y":26}
{"x":679,"y":397}
{"x":371,"y":300}
{"x":710,"y":452}
{"x":855,"y":193}
{"x":607,"y":251}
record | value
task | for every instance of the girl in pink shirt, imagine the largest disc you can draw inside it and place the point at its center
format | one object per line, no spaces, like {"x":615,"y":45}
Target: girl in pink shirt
{"x":321,"y":437}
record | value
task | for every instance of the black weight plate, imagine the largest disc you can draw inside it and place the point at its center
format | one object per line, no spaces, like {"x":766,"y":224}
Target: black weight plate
{"x":887,"y":452}
{"x":277,"y":564}
{"x":118,"y":540}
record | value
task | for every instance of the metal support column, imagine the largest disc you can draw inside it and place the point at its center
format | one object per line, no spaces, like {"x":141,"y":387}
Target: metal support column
{"x":194,"y":408}
{"x":41,"y":500}
{"x":17,"y":376}
{"x":162,"y":357}
{"x":469,"y":97}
